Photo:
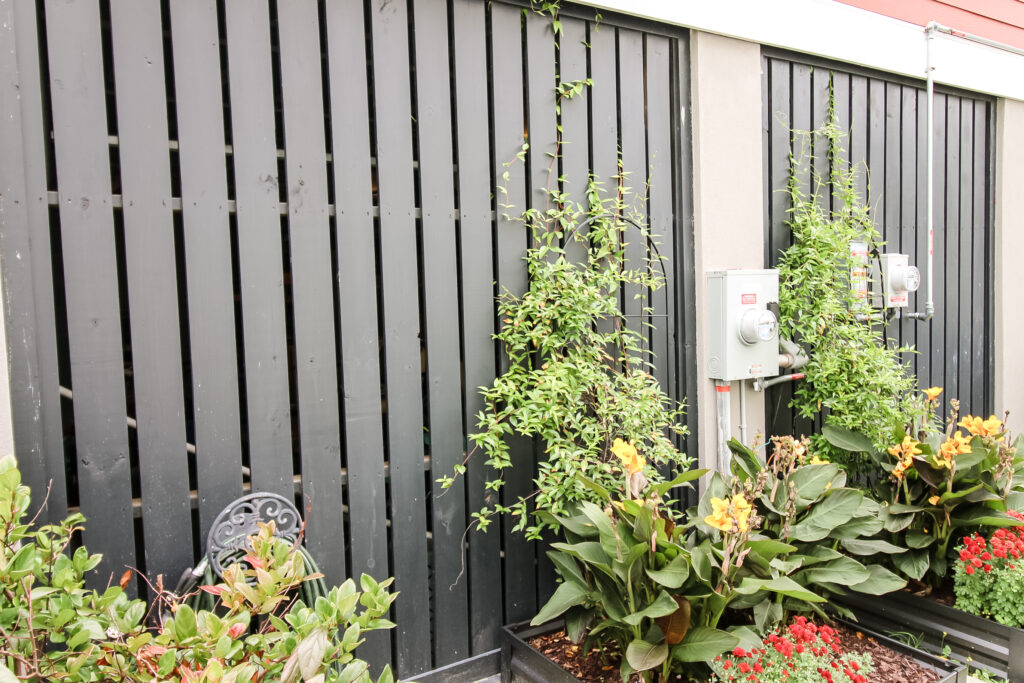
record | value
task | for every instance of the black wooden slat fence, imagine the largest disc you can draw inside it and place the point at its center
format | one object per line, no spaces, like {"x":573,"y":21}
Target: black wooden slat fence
{"x":886,"y":120}
{"x":277,"y":236}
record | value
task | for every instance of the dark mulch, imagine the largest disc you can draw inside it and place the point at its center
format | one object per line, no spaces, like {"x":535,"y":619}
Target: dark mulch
{"x":890,"y":666}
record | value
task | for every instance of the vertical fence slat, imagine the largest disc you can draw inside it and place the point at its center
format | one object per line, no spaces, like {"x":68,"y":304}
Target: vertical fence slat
{"x":312,"y":285}
{"x":965,"y":228}
{"x":801,"y":99}
{"x":980,"y":270}
{"x":357,"y":275}
{"x":634,"y":165}
{"x":575,"y":128}
{"x":399,"y":286}
{"x":507,"y":107}
{"x":891,"y":189}
{"x":938,"y":323}
{"x":441,"y":316}
{"x":819,"y":117}
{"x":660,"y":190}
{"x":260,"y":265}
{"x":952,"y":232}
{"x":876,"y":152}
{"x":27,"y":271}
{"x":208,"y":262}
{"x":152,"y":285}
{"x":604,"y":126}
{"x":859,"y":133}
{"x":908,"y":227}
{"x":90,"y":274}
{"x":474,"y":190}
{"x":542,"y":124}
{"x":924,"y":330}
{"x":841,"y":95}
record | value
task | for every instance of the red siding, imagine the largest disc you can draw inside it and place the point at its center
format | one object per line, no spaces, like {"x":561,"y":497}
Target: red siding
{"x":999,"y":20}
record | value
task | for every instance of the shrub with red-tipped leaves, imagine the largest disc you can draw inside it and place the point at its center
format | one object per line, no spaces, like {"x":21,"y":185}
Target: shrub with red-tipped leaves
{"x":802,"y":653}
{"x":988,"y":575}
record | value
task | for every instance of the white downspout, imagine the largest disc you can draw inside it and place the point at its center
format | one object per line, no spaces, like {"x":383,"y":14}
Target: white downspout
{"x":929,"y":306}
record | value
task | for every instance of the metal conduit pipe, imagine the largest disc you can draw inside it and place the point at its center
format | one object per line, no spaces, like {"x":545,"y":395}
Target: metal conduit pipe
{"x":929,"y":306}
{"x":724,"y":426}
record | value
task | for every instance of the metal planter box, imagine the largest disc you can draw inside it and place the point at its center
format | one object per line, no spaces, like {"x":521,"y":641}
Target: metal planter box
{"x":522,"y":663}
{"x":990,"y":645}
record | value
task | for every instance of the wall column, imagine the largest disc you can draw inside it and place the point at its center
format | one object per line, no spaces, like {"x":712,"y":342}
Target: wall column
{"x":1009,"y":245}
{"x":728,"y":189}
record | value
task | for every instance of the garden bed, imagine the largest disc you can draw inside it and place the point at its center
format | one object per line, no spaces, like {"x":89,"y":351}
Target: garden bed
{"x":987,"y":644}
{"x":522,"y":662}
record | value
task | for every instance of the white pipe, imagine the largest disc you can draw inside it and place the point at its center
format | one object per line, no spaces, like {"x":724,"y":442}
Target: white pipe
{"x":936,"y":26}
{"x":724,"y":428}
{"x":743,"y":412}
{"x":929,"y":306}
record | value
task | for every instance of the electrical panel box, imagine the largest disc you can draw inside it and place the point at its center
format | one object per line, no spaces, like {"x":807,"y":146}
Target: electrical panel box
{"x":895,"y":280}
{"x":743,"y":325}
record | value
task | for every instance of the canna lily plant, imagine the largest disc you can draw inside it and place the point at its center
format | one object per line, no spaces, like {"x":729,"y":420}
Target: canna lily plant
{"x":945,"y":478}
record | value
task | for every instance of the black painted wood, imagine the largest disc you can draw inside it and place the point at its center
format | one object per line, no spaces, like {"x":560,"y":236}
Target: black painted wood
{"x":886,"y":121}
{"x":473,"y":156}
{"x":91,"y":284}
{"x":309,"y":236}
{"x":152,"y":286}
{"x":29,"y":314}
{"x":208,"y":259}
{"x":356,"y":260}
{"x":575,"y":155}
{"x":510,"y":245}
{"x":260,"y":262}
{"x":401,"y":333}
{"x":440,"y":287}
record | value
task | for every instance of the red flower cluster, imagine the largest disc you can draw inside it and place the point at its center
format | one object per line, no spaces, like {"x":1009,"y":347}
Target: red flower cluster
{"x":804,"y":644}
{"x":1006,"y":544}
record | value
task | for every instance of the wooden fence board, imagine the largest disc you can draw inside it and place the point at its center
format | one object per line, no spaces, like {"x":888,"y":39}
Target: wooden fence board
{"x":575,"y":127}
{"x":441,"y":317}
{"x":952,"y":233}
{"x":925,"y":330}
{"x":859,"y":124}
{"x":890,"y":212}
{"x":260,"y":263}
{"x":981,"y":276}
{"x":604,"y":126}
{"x":510,"y":244}
{"x":357,"y":284}
{"x":634,"y":167}
{"x":400,"y":286}
{"x":876,"y":153}
{"x":477,"y":277}
{"x":661,"y":205}
{"x":908,"y":227}
{"x":27,"y":271}
{"x":208,"y":259}
{"x":312,"y":285}
{"x":938,"y":323}
{"x":90,"y":275}
{"x":965,"y":228}
{"x":152,"y":286}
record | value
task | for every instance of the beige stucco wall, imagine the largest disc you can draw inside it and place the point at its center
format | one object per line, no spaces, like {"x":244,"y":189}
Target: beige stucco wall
{"x":1009,"y":248}
{"x":728,"y":188}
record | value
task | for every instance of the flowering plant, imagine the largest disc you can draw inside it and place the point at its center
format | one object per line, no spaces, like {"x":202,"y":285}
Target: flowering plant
{"x":802,"y":653}
{"x":988,"y":575}
{"x":944,"y":474}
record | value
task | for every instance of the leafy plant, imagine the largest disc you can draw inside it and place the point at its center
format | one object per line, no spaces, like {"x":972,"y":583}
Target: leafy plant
{"x":54,"y":629}
{"x":854,"y":376}
{"x":940,"y":482}
{"x":578,"y":378}
{"x":802,"y":653}
{"x":988,"y":575}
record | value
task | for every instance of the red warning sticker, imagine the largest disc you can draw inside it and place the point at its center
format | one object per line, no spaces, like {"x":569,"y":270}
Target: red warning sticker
{"x":748,"y":299}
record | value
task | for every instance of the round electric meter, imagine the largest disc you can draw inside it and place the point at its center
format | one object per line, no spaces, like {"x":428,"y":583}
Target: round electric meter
{"x":758,"y":325}
{"x":906,"y":279}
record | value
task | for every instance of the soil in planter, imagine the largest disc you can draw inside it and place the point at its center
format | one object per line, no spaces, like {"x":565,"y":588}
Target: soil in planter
{"x":890,"y":666}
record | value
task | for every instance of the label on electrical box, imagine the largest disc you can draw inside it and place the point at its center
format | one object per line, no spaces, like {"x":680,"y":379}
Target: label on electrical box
{"x":755,"y":369}
{"x":747,"y":299}
{"x":897,"y":300}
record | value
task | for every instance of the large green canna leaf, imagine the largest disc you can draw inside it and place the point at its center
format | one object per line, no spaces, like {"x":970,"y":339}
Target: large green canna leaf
{"x":844,"y":571}
{"x":782,"y":585}
{"x":568,"y":594}
{"x":702,"y":644}
{"x":674,"y":574}
{"x":848,"y":440}
{"x":880,"y":582}
{"x":835,"y":509}
{"x":913,"y":563}
{"x":663,"y":605}
{"x":861,"y":546}
{"x":811,"y":481}
{"x":642,"y":655}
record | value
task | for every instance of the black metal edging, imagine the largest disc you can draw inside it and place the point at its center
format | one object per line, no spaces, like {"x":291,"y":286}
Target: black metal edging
{"x":469,"y":670}
{"x":520,"y":662}
{"x":983,"y":643}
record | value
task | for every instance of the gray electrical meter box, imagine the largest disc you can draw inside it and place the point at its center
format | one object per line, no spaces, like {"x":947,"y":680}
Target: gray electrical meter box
{"x":742,"y":324}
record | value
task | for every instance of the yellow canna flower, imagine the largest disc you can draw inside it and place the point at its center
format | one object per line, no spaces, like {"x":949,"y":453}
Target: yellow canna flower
{"x":934,"y":500}
{"x":932,"y":393}
{"x":719,"y":517}
{"x":632,"y":461}
{"x":981,"y":427}
{"x":815,"y":460}
{"x":742,"y":510}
